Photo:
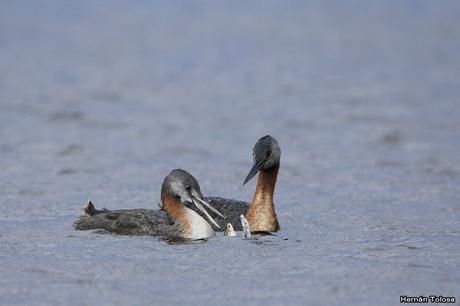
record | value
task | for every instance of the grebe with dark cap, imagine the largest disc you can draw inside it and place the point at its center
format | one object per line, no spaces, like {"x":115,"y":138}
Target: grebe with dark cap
{"x":174,"y":220}
{"x":261,"y":213}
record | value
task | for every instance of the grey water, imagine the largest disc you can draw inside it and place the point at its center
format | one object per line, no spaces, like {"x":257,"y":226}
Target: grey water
{"x":101,"y":99}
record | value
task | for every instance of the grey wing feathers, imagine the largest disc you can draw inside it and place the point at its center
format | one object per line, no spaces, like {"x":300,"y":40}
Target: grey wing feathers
{"x":129,"y":222}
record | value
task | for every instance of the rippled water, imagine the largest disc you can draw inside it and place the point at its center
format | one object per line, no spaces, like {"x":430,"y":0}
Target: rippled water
{"x":102,"y":99}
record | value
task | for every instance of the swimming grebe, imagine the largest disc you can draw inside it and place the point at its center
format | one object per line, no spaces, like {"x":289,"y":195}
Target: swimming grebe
{"x":174,"y":220}
{"x":261,"y":213}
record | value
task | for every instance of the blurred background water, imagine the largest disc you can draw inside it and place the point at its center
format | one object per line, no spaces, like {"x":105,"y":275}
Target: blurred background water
{"x":102,"y":99}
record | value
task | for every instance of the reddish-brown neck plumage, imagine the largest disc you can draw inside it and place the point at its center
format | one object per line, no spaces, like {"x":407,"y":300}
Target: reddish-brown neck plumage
{"x":175,"y":210}
{"x":261,"y":215}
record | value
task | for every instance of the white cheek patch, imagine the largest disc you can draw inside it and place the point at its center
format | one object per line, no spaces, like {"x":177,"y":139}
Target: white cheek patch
{"x":176,"y":187}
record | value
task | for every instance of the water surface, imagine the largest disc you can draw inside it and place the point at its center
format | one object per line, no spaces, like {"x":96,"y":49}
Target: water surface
{"x":102,"y":99}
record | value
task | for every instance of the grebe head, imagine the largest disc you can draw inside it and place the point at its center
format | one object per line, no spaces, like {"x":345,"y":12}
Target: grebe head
{"x":266,"y":155}
{"x":180,"y":186}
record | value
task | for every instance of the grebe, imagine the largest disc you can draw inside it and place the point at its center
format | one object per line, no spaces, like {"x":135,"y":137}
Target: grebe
{"x":174,"y":220}
{"x":229,"y":231}
{"x":261,"y":213}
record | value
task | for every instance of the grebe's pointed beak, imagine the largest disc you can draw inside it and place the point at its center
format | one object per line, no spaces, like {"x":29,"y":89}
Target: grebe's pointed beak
{"x":210,"y":207}
{"x":256,"y":168}
{"x":197,"y":200}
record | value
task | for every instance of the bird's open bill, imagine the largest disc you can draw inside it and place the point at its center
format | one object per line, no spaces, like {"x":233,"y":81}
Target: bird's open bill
{"x":210,"y":207}
{"x":197,"y":201}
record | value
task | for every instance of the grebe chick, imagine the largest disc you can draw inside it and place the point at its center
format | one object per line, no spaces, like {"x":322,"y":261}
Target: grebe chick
{"x":173,"y":221}
{"x":229,"y":231}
